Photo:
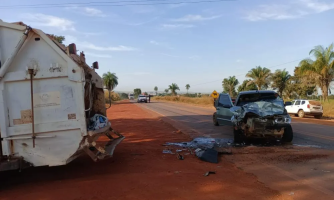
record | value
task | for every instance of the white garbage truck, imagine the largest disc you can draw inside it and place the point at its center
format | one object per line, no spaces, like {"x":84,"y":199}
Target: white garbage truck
{"x":52,"y":105}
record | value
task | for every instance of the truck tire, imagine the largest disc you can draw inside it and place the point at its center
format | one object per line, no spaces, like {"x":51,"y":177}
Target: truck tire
{"x":214,"y":118}
{"x":287,"y":135}
{"x":301,"y":113}
{"x":238,"y":136}
{"x":318,"y":116}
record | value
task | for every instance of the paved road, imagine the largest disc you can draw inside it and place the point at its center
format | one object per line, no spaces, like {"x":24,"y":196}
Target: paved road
{"x":198,"y":121}
{"x":300,"y":171}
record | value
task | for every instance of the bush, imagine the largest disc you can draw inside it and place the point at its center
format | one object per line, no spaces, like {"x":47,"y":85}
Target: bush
{"x":114,"y":96}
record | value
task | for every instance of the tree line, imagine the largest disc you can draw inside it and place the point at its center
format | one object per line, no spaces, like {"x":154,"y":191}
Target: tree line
{"x":309,"y":75}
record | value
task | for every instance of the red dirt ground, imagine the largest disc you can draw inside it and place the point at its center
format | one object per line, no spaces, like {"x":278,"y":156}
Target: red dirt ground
{"x":138,"y":170}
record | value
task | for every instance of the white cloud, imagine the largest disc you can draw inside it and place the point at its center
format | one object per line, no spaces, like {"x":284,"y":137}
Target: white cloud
{"x":195,"y":18}
{"x":98,"y":55}
{"x":318,"y":6}
{"x":160,"y":44}
{"x":87,"y":45}
{"x":177,"y":26}
{"x":177,"y":5}
{"x":293,"y":9}
{"x":239,"y":61}
{"x":48,"y":20}
{"x":88,"y":11}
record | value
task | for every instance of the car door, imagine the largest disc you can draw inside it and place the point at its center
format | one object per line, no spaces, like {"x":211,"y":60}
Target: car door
{"x":289,"y":107}
{"x":224,"y":114}
{"x":295,"y":107}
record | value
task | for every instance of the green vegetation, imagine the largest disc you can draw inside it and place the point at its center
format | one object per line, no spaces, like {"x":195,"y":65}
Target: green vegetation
{"x":260,"y":77}
{"x":59,"y":39}
{"x":187,"y":87}
{"x":137,"y":92}
{"x":156,"y":90}
{"x":321,"y":69}
{"x":247,"y":85}
{"x":229,"y":85}
{"x":110,"y":81}
{"x":280,"y":80}
{"x":172,"y":88}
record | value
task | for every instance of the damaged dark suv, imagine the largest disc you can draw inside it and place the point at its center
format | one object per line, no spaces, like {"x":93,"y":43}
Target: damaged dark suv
{"x":255,"y":114}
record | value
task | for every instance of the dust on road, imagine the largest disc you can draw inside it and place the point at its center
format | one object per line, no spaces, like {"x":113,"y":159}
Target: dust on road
{"x":138,"y":170}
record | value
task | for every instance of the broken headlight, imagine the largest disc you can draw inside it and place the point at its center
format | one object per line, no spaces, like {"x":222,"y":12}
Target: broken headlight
{"x":285,"y":120}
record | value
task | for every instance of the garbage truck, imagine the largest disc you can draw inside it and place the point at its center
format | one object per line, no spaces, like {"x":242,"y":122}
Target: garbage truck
{"x":52,"y":104}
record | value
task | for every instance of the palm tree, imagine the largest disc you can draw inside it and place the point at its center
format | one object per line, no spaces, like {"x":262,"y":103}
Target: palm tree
{"x":156,"y":90}
{"x":280,"y":80}
{"x":260,"y":77}
{"x":173,"y":88}
{"x":166,"y":90}
{"x":110,"y":81}
{"x":229,"y":85}
{"x":246,"y":87}
{"x":321,"y":69}
{"x":187,"y":87}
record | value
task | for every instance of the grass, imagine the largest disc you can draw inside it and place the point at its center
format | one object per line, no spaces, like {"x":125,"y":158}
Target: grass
{"x":203,"y":101}
{"x":328,"y":107}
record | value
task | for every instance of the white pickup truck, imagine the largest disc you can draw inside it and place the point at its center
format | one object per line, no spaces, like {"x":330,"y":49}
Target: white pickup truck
{"x":302,"y":107}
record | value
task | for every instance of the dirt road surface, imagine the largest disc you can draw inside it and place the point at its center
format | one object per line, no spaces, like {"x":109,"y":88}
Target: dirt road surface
{"x":303,"y":170}
{"x":138,"y":170}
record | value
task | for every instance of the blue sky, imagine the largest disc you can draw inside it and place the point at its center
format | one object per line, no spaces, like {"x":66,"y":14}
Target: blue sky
{"x":197,"y":44}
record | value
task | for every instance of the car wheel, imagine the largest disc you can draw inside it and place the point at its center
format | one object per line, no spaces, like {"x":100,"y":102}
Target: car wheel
{"x":318,"y":116}
{"x":296,"y":115}
{"x":238,"y":136}
{"x":145,"y":101}
{"x":215,"y":122}
{"x":288,"y":134}
{"x":301,"y":114}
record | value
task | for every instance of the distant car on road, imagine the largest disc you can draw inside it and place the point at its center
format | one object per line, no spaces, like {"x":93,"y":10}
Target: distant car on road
{"x":131,"y":97}
{"x":142,"y":98}
{"x":303,"y":107}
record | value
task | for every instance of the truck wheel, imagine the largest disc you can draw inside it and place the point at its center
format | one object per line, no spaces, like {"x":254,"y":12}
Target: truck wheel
{"x":301,"y":114}
{"x":318,"y":116}
{"x":238,"y":136}
{"x":215,"y":122}
{"x":288,"y":134}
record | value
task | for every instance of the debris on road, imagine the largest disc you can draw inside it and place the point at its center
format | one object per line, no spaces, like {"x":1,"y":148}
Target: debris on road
{"x":179,"y":156}
{"x":207,"y":149}
{"x":167,"y":151}
{"x":209,"y":172}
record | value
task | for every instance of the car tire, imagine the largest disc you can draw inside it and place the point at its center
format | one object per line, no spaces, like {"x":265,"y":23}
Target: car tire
{"x":238,"y":136}
{"x":301,"y":113}
{"x":145,"y":101}
{"x":287,"y":135}
{"x":214,"y":118}
{"x":318,"y":116}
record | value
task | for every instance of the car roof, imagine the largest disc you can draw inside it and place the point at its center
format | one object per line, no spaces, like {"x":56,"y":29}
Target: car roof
{"x":257,"y":91}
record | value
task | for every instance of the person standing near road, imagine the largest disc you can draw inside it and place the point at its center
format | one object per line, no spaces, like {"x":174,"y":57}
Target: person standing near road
{"x":149,"y":98}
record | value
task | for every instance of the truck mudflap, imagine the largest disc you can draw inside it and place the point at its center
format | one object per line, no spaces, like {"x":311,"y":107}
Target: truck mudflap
{"x":100,"y":144}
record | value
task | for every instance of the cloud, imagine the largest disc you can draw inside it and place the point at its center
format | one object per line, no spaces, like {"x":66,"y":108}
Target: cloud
{"x":143,"y":23}
{"x":292,"y":10}
{"x":88,"y":11}
{"x":87,"y":45}
{"x":38,"y":19}
{"x":177,"y":26}
{"x":160,"y":44}
{"x":239,"y":61}
{"x":177,"y":5}
{"x":98,"y":55}
{"x":195,"y":18}
{"x":318,"y":6}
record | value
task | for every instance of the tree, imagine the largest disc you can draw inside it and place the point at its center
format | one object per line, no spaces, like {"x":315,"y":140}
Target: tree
{"x":321,"y":69}
{"x":246,"y":87}
{"x":229,"y":85}
{"x":59,"y":39}
{"x":280,"y":80}
{"x":187,"y":87}
{"x":166,"y":90}
{"x":110,"y":80}
{"x":137,"y":92}
{"x":260,"y":77}
{"x":173,"y":88}
{"x":156,"y":90}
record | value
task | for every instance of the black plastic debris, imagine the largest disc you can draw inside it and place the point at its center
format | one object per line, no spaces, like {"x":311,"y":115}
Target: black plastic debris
{"x":209,"y":172}
{"x":179,"y":156}
{"x":208,"y":155}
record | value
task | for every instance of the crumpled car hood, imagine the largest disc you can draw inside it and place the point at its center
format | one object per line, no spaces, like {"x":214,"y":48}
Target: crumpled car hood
{"x":262,"y":108}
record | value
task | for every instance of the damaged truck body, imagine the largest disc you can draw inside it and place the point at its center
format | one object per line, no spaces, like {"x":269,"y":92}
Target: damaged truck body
{"x":49,"y":97}
{"x":255,"y":114}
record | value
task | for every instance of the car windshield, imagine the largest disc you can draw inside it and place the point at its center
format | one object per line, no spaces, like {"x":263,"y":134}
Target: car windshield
{"x":254,"y":97}
{"x":141,"y":96}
